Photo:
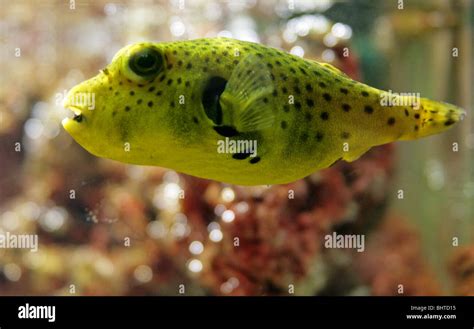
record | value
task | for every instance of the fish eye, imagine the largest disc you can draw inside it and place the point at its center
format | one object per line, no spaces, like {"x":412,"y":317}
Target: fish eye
{"x":146,"y":63}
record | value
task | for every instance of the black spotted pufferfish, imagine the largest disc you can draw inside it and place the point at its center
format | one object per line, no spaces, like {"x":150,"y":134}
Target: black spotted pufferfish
{"x":238,"y":112}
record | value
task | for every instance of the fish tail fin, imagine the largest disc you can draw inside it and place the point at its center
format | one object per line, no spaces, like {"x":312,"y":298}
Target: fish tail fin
{"x":432,"y":118}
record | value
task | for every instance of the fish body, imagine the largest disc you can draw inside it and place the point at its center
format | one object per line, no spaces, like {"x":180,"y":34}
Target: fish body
{"x":239,"y":112}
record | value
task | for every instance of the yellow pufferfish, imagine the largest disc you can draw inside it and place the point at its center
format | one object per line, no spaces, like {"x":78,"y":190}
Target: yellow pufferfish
{"x":238,"y":112}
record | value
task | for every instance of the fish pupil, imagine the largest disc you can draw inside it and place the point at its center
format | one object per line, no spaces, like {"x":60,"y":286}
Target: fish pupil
{"x":146,"y":62}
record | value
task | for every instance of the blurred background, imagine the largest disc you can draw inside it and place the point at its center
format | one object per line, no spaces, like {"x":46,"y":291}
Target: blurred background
{"x":107,"y":228}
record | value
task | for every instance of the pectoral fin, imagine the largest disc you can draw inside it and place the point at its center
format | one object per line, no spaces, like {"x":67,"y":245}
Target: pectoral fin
{"x":245,"y":100}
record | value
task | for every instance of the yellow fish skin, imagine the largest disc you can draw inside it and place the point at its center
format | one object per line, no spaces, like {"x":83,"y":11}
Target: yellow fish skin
{"x":238,"y":112}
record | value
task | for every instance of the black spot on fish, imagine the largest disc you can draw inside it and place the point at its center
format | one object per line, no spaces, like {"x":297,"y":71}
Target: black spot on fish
{"x":241,"y":156}
{"x":150,"y":104}
{"x":319,"y":136}
{"x":284,"y":90}
{"x":170,"y":81}
{"x":179,"y":81}
{"x":283,"y":124}
{"x":286,"y":108}
{"x":344,"y":91}
{"x":327,"y":97}
{"x":139,"y":101}
{"x":211,"y":96}
{"x":116,"y":93}
{"x":345,"y":135}
{"x":254,"y":160}
{"x":391,"y":121}
{"x":151,"y":89}
{"x":265,"y":100}
{"x":308,"y":116}
{"x":310,"y":102}
{"x":158,"y":93}
{"x":195,"y":120}
{"x":406,"y":112}
{"x":368,"y":109}
{"x":132,"y":93}
{"x":416,"y":128}
{"x":275,"y":93}
{"x":187,"y":84}
{"x":189,"y":66}
{"x":417,"y":115}
{"x":172,"y":103}
{"x":309,"y":88}
{"x":325,"y":115}
{"x":110,"y":88}
{"x":163,"y":77}
{"x":298,"y":105}
{"x":304,"y":137}
{"x":180,"y":62}
{"x":297,"y":90}
{"x":346,"y":107}
{"x":170,"y":66}
{"x":364,"y":93}
{"x":322,"y":85}
{"x":127,"y":108}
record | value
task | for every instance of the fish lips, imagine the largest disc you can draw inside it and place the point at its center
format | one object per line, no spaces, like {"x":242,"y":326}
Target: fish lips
{"x":77,"y":118}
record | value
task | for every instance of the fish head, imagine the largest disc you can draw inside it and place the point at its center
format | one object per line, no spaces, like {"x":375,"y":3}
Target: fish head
{"x":120,"y":104}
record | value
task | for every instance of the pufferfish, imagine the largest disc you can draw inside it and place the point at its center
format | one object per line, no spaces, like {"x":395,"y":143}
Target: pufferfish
{"x":238,"y":112}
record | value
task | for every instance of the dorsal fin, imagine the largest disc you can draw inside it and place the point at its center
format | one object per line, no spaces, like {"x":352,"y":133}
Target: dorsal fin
{"x":329,"y":67}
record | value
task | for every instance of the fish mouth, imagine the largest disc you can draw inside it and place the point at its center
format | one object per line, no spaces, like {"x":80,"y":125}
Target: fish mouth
{"x":77,"y":115}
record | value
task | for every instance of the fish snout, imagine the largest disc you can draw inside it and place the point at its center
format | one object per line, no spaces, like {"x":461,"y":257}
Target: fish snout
{"x":80,"y":101}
